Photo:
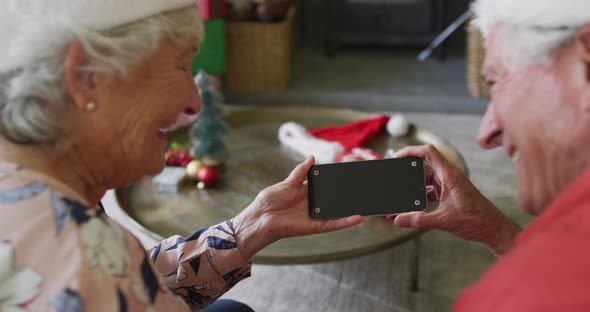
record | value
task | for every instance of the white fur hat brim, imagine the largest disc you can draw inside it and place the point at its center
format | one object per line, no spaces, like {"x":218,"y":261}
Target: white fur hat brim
{"x":32,"y":29}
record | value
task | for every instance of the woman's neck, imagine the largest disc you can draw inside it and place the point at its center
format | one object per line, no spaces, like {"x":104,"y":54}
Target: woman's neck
{"x":62,"y":162}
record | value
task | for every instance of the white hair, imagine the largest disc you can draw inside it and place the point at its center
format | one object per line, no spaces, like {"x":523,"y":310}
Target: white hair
{"x":31,"y":96}
{"x":538,"y":28}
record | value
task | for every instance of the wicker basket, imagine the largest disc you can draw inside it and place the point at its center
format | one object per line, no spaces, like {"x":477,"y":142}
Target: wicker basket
{"x":475,"y":58}
{"x":258,"y":55}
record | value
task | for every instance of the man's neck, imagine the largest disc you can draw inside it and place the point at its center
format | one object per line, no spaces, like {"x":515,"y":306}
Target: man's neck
{"x":61,"y":162}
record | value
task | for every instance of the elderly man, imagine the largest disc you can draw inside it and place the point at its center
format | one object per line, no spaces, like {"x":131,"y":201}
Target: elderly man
{"x":538,"y":70}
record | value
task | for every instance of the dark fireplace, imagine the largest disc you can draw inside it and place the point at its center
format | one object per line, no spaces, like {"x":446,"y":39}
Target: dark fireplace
{"x":383,"y":22}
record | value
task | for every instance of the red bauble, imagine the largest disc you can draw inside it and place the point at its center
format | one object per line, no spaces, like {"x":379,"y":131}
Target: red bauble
{"x":170,"y":158}
{"x":176,"y":157}
{"x":209,"y":176}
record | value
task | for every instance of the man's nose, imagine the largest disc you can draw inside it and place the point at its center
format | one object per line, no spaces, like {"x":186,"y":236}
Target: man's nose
{"x":490,"y":131}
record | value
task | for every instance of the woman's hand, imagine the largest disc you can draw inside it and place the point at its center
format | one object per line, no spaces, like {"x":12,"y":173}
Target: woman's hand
{"x":463,"y":210}
{"x":281,"y":211}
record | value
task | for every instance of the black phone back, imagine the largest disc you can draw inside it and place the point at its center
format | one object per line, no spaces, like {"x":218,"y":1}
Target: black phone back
{"x":368,"y":188}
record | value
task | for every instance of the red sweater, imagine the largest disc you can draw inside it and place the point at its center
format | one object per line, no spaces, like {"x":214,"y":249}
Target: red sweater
{"x":549,"y":267}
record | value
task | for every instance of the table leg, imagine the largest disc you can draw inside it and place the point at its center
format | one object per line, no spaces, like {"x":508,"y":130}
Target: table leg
{"x":415,"y":265}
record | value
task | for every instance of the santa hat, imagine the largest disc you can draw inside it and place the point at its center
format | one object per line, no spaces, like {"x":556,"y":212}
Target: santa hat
{"x":354,"y":134}
{"x":298,"y":139}
{"x":33,"y":29}
{"x":341,"y":143}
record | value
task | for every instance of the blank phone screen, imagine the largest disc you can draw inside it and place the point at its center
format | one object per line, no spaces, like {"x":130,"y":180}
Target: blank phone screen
{"x":379,"y":187}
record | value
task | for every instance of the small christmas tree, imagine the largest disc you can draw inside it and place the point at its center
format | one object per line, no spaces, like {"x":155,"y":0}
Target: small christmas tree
{"x":208,"y":134}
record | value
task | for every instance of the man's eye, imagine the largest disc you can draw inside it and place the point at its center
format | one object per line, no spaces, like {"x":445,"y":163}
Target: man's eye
{"x":490,"y":83}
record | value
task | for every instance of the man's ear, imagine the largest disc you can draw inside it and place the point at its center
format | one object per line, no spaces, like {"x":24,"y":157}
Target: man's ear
{"x":582,"y":42}
{"x":78,"y":84}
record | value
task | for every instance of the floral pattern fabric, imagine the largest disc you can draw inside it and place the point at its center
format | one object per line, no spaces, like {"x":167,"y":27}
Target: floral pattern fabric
{"x":18,"y":286}
{"x":57,"y":254}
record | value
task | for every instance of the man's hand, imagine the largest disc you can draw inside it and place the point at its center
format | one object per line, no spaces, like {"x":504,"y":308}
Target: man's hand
{"x":463,"y":210}
{"x":281,"y":211}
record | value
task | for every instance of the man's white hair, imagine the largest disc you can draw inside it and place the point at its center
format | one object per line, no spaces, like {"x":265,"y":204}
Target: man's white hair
{"x":538,"y":27}
{"x":31,"y":96}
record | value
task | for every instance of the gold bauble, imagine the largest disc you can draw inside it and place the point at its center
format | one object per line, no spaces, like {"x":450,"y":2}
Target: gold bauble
{"x":193,"y":168}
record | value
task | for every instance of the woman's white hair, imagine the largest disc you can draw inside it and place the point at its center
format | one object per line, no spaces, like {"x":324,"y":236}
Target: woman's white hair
{"x":31,"y":96}
{"x":538,"y":27}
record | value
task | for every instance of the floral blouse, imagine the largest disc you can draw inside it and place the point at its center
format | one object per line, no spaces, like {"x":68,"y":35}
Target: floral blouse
{"x":56,"y":254}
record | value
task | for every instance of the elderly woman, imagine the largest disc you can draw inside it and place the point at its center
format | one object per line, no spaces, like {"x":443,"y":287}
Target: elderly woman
{"x":89,"y":90}
{"x":538,"y":71}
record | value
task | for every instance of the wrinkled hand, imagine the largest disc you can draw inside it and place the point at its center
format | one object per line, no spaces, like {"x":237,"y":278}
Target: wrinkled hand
{"x":463,"y":210}
{"x":281,"y":211}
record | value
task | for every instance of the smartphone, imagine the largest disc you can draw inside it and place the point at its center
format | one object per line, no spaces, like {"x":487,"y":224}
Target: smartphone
{"x":367,"y":188}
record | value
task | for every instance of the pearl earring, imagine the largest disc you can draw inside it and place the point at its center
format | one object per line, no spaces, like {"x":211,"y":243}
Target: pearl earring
{"x":90,"y":106}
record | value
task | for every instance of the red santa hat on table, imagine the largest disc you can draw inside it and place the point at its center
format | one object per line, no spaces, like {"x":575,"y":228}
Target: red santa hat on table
{"x":341,"y":143}
{"x":33,"y":29}
{"x":354,"y":134}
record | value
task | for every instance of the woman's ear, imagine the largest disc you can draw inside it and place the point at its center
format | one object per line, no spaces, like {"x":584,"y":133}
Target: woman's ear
{"x":79,"y":84}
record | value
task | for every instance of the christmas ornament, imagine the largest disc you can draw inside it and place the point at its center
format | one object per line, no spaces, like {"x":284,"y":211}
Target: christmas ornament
{"x":208,"y":135}
{"x":170,"y":157}
{"x":209,"y":176}
{"x":177,"y":157}
{"x":193,"y":168}
{"x":183,"y":158}
{"x":215,"y":164}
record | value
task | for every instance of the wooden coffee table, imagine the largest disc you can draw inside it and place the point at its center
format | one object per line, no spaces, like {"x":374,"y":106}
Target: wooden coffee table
{"x":258,"y":160}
